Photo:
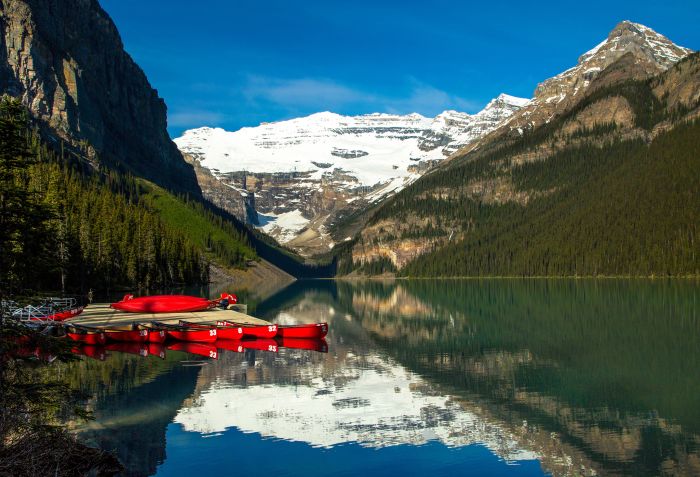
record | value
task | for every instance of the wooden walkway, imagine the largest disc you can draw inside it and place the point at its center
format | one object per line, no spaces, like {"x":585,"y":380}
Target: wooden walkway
{"x":100,"y":314}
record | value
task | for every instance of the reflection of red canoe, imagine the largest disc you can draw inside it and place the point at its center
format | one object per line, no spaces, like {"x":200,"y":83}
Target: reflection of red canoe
{"x":314,"y":344}
{"x":88,"y":337}
{"x":314,"y":330}
{"x":183,"y":333}
{"x":222,"y":332}
{"x":195,"y":348}
{"x":156,"y":349}
{"x":91,"y":351}
{"x":262,"y":344}
{"x":252,"y":331}
{"x":155,"y":335}
{"x":230,"y":345}
{"x":140,"y":349}
{"x":163,"y":304}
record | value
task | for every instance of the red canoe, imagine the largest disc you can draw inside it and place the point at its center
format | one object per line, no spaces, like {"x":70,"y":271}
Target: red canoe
{"x":155,"y":335}
{"x":88,"y":337}
{"x":163,"y":304}
{"x":133,"y":335}
{"x":314,"y":344}
{"x":184,"y":333}
{"x":252,"y":331}
{"x":195,"y":348}
{"x":261,"y":344}
{"x":314,"y":330}
{"x":222,"y":332}
{"x":60,"y":315}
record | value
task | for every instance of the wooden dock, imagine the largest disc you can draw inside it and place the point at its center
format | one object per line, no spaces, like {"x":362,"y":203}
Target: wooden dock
{"x":100,"y":314}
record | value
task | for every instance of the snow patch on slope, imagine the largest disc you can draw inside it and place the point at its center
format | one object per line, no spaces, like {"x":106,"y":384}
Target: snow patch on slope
{"x":285,"y":225}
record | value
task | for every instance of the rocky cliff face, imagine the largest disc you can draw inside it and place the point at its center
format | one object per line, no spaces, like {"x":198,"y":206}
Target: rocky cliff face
{"x":66,"y":61}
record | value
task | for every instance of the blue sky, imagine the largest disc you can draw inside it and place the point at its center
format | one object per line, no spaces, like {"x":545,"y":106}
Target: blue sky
{"x":233,"y":63}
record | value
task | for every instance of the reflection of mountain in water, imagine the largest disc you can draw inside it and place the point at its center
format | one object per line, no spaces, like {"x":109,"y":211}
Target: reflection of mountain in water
{"x":603,"y":372}
{"x":368,"y":400}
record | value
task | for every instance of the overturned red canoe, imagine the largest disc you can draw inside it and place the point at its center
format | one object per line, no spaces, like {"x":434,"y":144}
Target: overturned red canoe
{"x":314,"y":344}
{"x":250,"y":331}
{"x":222,"y":332}
{"x":163,"y":304}
{"x":200,"y":349}
{"x":314,"y":330}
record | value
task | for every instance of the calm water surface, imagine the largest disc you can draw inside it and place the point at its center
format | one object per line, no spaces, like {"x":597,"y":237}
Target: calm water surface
{"x":491,"y":377}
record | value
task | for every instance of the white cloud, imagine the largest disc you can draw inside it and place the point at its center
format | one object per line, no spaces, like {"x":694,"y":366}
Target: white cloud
{"x":304,"y":93}
{"x":318,"y":94}
{"x":188,"y":118}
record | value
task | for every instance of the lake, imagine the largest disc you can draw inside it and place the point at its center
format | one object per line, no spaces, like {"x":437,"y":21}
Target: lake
{"x":425,"y":377}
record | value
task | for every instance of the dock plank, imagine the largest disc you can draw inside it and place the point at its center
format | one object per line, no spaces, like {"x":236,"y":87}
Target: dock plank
{"x":100,"y":314}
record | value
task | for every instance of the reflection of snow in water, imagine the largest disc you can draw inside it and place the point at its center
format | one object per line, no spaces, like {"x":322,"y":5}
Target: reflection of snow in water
{"x":381,"y":406}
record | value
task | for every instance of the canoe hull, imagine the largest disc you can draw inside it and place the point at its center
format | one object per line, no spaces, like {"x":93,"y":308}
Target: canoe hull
{"x":250,"y":331}
{"x":61,"y":315}
{"x":193,"y":335}
{"x":314,"y":330}
{"x":88,"y":338}
{"x":222,"y":332}
{"x":163,"y":304}
{"x":136,"y":336}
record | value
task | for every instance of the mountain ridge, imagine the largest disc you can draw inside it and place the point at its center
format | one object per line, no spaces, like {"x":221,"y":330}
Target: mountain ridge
{"x":297,"y":178}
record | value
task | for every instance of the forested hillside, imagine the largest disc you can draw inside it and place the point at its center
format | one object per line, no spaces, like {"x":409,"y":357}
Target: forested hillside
{"x":65,"y":224}
{"x":617,"y":196}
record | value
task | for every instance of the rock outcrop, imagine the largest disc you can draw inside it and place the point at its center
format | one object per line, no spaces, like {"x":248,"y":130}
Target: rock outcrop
{"x":65,"y":60}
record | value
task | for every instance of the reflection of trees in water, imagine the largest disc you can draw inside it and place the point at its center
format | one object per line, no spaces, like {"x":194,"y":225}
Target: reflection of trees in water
{"x":134,"y":400}
{"x":592,"y":361}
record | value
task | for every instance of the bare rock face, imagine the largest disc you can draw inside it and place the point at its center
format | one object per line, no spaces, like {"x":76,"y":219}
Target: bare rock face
{"x":65,"y":60}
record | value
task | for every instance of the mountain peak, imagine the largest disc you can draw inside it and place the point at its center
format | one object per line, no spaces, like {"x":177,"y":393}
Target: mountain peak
{"x":642,"y":41}
{"x":652,"y":52}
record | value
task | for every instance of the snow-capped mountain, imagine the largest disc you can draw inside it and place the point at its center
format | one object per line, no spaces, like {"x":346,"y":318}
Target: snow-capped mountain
{"x":649,"y":53}
{"x":303,"y":171}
